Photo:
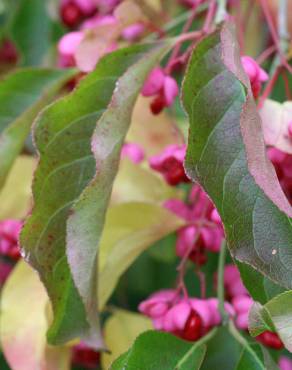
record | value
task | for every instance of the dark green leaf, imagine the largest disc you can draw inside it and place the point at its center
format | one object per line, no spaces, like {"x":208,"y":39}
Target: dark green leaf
{"x":223,"y":351}
{"x":154,"y":350}
{"x":260,"y":287}
{"x":120,"y":362}
{"x":258,"y":232}
{"x":251,"y":352}
{"x":247,"y":361}
{"x":31,"y":31}
{"x":74,"y":179}
{"x":257,"y":359}
{"x":22,"y":95}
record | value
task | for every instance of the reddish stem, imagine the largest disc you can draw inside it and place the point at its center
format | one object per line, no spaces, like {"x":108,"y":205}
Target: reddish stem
{"x":274,"y":34}
{"x":181,"y":269}
{"x":175,"y":52}
{"x":287,"y":85}
{"x":266,"y":54}
{"x":240,"y":27}
{"x":210,"y":17}
{"x":202,"y":280}
{"x":269,"y":87}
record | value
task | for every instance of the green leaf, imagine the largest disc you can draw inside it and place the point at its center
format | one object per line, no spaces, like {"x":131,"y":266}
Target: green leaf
{"x":24,"y":324}
{"x":22,"y":95}
{"x":157,"y":350}
{"x":258,"y":359}
{"x":260,"y":287}
{"x":126,"y":235}
{"x":31,"y":30}
{"x":258,"y":232}
{"x":223,"y":351}
{"x":274,"y":315}
{"x":247,"y":361}
{"x":251,"y":353}
{"x":127,"y":326}
{"x":258,"y":320}
{"x":73,"y":184}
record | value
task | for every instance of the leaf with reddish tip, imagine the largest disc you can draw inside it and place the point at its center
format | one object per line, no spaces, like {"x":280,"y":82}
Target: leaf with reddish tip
{"x":73,"y":184}
{"x":226,"y":155}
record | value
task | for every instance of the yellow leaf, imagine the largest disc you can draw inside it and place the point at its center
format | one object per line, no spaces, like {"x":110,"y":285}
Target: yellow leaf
{"x":120,"y":331}
{"x":152,"y":133}
{"x":15,"y":197}
{"x":23,"y":324}
{"x":135,"y":183}
{"x":130,"y":228}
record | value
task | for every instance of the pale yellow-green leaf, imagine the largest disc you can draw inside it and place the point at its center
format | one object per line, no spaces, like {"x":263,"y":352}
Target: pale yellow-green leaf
{"x":136,"y":183}
{"x":23,"y":324}
{"x":153,"y":133}
{"x":120,"y":331}
{"x":16,"y":194}
{"x":129,"y":230}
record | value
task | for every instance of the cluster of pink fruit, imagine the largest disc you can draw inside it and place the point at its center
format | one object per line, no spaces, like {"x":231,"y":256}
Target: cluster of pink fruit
{"x":191,"y":318}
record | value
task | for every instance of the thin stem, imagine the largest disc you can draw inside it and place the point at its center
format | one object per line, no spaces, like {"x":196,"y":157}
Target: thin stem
{"x":220,"y":283}
{"x":266,"y":54}
{"x":282,"y":25}
{"x":240,"y":339}
{"x":181,"y":269}
{"x":269,"y":86}
{"x":282,"y":57}
{"x":209,"y":17}
{"x":202,"y":280}
{"x":221,"y":11}
{"x":287,"y":85}
{"x":196,"y":345}
{"x":176,"y":49}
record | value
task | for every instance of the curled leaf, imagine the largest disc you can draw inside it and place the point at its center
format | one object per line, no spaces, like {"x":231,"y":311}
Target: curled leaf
{"x":73,"y":183}
{"x":226,"y":155}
